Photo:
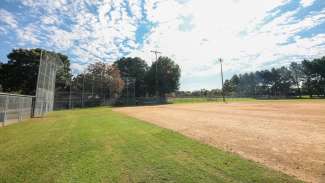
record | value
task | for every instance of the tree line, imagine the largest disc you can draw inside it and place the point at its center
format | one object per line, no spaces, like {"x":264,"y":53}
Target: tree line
{"x":161,"y":78}
{"x":19,"y":75}
{"x":296,"y":80}
{"x":203,"y":93}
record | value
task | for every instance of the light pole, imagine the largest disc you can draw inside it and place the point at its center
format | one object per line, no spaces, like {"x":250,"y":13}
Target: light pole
{"x":222,"y":92}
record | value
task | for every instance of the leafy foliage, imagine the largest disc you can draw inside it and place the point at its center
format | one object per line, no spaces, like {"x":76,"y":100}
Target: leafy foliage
{"x":163,"y":77}
{"x":105,"y":78}
{"x":19,"y":74}
{"x":307,"y":77}
{"x":99,"y":81}
{"x":135,"y":68}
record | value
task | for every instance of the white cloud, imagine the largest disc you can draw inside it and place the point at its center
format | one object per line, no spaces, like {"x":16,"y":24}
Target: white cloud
{"x":27,"y":35}
{"x":192,"y":32}
{"x":92,"y":34}
{"x":60,"y":38}
{"x":8,"y":18}
{"x":306,"y":3}
{"x":78,"y":68}
{"x":50,"y":20}
{"x":233,"y":30}
{"x":3,"y":30}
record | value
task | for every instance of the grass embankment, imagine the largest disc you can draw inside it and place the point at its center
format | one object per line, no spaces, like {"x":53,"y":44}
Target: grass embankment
{"x":98,"y":145}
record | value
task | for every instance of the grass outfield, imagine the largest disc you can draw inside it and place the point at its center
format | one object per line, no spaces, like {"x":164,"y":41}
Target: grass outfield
{"x":98,"y":145}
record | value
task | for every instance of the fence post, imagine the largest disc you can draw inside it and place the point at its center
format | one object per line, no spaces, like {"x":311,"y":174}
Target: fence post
{"x":5,"y":110}
{"x":32,"y":110}
{"x":20,"y":108}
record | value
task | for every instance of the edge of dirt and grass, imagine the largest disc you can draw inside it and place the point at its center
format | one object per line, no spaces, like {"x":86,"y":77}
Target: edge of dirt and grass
{"x":191,"y":100}
{"x":99,"y":145}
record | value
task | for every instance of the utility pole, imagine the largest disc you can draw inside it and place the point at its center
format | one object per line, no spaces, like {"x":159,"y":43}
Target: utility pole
{"x":127,"y":90}
{"x":102,"y":85}
{"x":92,"y":87}
{"x":222,"y":92}
{"x":82,"y":91}
{"x":70,"y":97}
{"x":156,"y":76}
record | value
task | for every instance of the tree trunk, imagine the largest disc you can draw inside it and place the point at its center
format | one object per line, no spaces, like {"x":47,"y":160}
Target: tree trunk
{"x":299,"y":90}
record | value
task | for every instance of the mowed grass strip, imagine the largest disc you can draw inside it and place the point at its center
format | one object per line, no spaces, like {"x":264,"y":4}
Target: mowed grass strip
{"x":99,"y":145}
{"x":192,"y":100}
{"x":204,"y":99}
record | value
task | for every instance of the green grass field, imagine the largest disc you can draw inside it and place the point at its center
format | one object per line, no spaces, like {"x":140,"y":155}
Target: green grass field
{"x":99,"y":145}
{"x":191,"y":100}
{"x":203,"y":99}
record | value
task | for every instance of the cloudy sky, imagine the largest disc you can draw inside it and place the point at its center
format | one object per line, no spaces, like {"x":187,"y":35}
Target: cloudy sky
{"x":248,"y":34}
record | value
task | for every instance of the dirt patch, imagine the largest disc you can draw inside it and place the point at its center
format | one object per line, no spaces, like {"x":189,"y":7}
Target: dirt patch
{"x":287,"y":136}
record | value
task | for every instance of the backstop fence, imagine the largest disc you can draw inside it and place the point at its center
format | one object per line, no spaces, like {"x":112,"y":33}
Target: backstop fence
{"x":15,"y":107}
{"x":45,"y":88}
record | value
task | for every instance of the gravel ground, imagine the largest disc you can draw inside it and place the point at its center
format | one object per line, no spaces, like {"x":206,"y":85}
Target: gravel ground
{"x":285,"y":135}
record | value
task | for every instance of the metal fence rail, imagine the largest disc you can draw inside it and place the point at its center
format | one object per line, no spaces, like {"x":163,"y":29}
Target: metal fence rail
{"x":15,"y":108}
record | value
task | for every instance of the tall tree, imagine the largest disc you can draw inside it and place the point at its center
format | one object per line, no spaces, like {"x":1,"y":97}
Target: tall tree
{"x":285,"y":81}
{"x":263,"y":79}
{"x":227,"y":87}
{"x":247,"y":84}
{"x":307,"y":77}
{"x":64,"y":73}
{"x":231,"y":86}
{"x":163,"y":77}
{"x":310,"y":82}
{"x":101,"y":79}
{"x":297,"y":76}
{"x":319,"y":73}
{"x":314,"y":82}
{"x":19,"y":74}
{"x":135,"y":68}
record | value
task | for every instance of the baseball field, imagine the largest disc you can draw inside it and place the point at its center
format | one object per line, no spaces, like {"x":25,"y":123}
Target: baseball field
{"x":286,"y":135}
{"x":243,"y":141}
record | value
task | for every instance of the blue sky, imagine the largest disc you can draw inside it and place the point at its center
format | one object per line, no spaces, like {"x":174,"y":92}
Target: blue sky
{"x":248,"y":34}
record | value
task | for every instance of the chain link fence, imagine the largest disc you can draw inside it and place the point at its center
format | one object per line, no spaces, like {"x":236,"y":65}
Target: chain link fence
{"x":45,"y":89}
{"x":92,"y":91}
{"x":15,"y":108}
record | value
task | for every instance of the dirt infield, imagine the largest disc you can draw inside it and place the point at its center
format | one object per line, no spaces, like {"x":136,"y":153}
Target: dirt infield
{"x":287,"y":136}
